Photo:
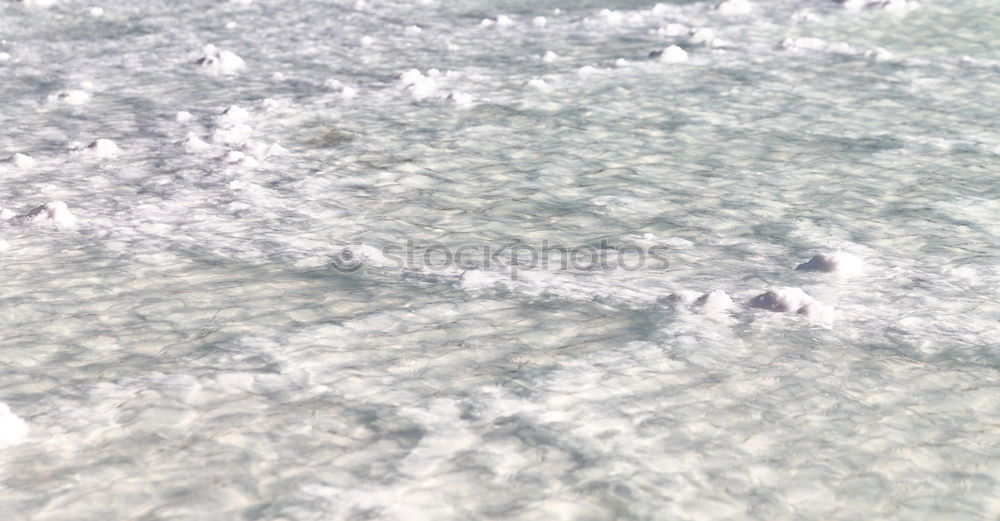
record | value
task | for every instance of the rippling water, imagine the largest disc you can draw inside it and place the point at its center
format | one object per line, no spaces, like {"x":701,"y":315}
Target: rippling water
{"x":221,"y":323}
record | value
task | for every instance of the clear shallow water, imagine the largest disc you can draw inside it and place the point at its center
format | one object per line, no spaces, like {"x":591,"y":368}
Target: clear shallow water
{"x":186,"y":351}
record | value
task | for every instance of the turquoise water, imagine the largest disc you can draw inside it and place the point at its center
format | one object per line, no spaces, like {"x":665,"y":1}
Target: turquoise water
{"x":251,"y":315}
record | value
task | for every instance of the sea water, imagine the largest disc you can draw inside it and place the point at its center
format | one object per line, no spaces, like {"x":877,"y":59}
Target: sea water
{"x":607,"y":259}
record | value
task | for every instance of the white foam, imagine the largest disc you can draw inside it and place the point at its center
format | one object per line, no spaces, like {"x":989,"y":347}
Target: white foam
{"x":235,"y":133}
{"x":102,"y":148}
{"x":461,"y":99}
{"x":346,"y":92}
{"x":12,"y":428}
{"x":233,"y":115}
{"x":96,"y":11}
{"x":4,"y":56}
{"x":841,"y":263}
{"x":704,"y":36}
{"x":673,"y":29}
{"x":539,"y":84}
{"x":55,"y":212}
{"x":248,"y":156}
{"x":412,"y":30}
{"x":262,"y":150}
{"x":549,"y":57}
{"x":734,"y":7}
{"x":611,"y":17}
{"x":673,"y":54}
{"x":270,"y":104}
{"x":504,"y":21}
{"x":539,"y":21}
{"x":22,"y":160}
{"x":715,"y":300}
{"x":660,"y":10}
{"x":783,"y":300}
{"x":193,"y":143}
{"x":479,"y":279}
{"x":803,"y":43}
{"x":878,"y":54}
{"x":183,"y":116}
{"x":367,"y":41}
{"x":38,"y":3}
{"x":220,"y":63}
{"x":248,"y":162}
{"x":6,"y":214}
{"x":853,"y":5}
{"x":419,"y":85}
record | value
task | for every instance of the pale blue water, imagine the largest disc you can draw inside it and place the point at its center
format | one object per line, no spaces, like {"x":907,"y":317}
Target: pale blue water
{"x":240,"y":336}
